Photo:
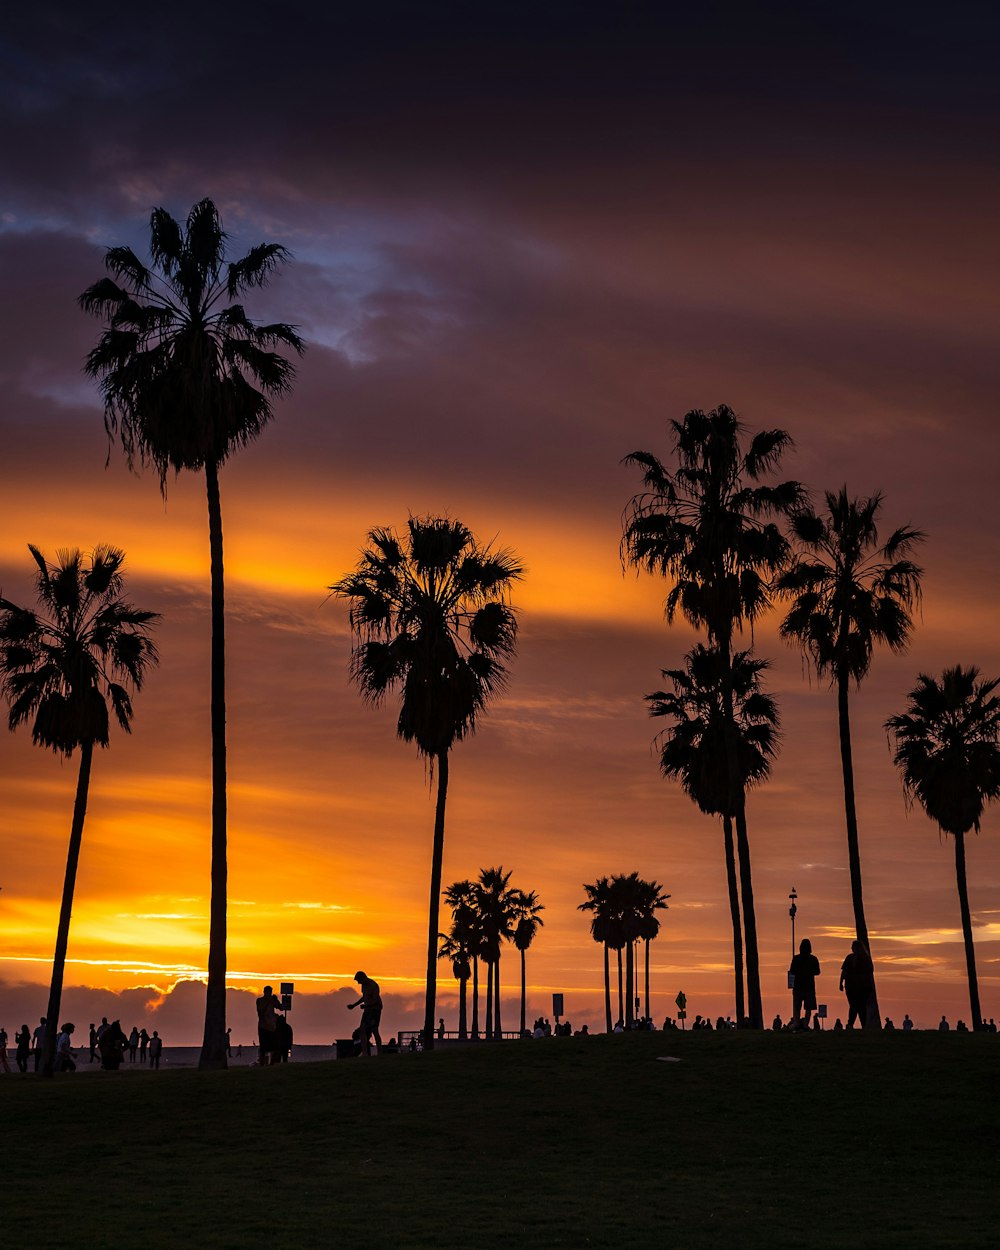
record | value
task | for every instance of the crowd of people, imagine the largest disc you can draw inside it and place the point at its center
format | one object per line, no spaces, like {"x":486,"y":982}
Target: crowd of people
{"x":108,"y":1046}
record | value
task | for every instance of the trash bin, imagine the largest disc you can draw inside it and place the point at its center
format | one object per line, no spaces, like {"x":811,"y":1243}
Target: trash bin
{"x":347,"y":1048}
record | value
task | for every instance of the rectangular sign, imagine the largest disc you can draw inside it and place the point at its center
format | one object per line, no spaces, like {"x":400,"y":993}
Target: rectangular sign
{"x":286,"y":1002}
{"x":557,"y":1004}
{"x":821,"y":1011}
{"x":288,"y":987}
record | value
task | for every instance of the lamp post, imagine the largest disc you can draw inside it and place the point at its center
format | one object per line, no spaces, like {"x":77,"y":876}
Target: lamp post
{"x":791,"y":912}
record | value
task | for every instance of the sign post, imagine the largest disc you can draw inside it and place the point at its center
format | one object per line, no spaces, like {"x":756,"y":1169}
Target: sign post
{"x":287,"y":990}
{"x":682,"y":1002}
{"x":557,"y":1007}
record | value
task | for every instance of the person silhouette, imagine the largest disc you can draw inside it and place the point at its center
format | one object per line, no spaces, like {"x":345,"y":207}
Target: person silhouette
{"x":143,"y":1043}
{"x":133,"y":1044}
{"x":268,"y":1005}
{"x":4,"y":1065}
{"x":804,"y":969}
{"x":64,"y":1049}
{"x":22,"y":1040}
{"x":371,"y":1014}
{"x":39,"y":1039}
{"x":857,"y":980}
{"x":907,"y":1023}
{"x":93,"y":1043}
{"x":944,"y":1026}
{"x":155,"y":1050}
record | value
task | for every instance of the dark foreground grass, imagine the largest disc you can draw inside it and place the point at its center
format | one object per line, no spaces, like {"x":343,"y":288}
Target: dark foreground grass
{"x":751,"y":1140}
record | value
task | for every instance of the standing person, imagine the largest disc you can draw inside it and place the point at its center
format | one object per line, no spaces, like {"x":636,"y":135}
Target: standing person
{"x":907,"y":1023}
{"x":93,"y":1043}
{"x":133,"y":1044}
{"x":857,"y":980}
{"x":64,"y":1049}
{"x":371,"y":1015}
{"x":38,"y":1037}
{"x":4,"y":1065}
{"x":229,"y":1043}
{"x":944,"y":1026}
{"x":23,"y":1040}
{"x":155,"y":1050}
{"x":143,"y":1043}
{"x":268,"y":1006}
{"x":804,"y":969}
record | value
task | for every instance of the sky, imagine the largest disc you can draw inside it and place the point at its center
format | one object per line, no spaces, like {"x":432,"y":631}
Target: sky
{"x":524,"y":240}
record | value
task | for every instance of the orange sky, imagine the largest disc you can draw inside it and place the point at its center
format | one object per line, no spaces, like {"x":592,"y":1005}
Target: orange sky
{"x":501,"y":300}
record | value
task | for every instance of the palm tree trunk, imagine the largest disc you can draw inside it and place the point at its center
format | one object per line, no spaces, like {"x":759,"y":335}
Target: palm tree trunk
{"x":497,"y":1032}
{"x":749,"y":919}
{"x":437,"y":859}
{"x":873,"y":1018}
{"x":463,"y":1030}
{"x":970,"y":950}
{"x":734,"y":911}
{"x":648,"y":1016}
{"x":475,"y":997}
{"x":213,"y":1047}
{"x":607,"y":987}
{"x":489,"y":1000}
{"x":621,"y":998}
{"x":66,"y":909}
{"x":629,"y":983}
{"x":524,"y":992}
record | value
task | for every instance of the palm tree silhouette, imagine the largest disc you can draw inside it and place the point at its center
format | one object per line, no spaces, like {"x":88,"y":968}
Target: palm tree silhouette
{"x":693,"y":749}
{"x":527,"y":921}
{"x":431,"y":620}
{"x":460,"y":945}
{"x":708,"y":524}
{"x":188,"y":379}
{"x":60,"y":667}
{"x":948,"y":752}
{"x":652,"y":900}
{"x":495,"y":907}
{"x":602,"y":929}
{"x":850,"y":594}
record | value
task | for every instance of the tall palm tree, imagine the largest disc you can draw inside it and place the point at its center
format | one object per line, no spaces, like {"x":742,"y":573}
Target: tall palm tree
{"x":460,"y":946}
{"x":432,"y":621}
{"x":850,"y":593}
{"x":60,"y":667}
{"x":527,"y":921}
{"x":709,"y":524}
{"x":188,"y":379}
{"x":693,"y":749}
{"x":948,"y":751}
{"x":598,"y":903}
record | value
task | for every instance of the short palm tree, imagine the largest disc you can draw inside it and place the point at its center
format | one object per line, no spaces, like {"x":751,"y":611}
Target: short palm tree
{"x":60,"y":667}
{"x":651,"y":900}
{"x":948,"y":752}
{"x":602,"y":929}
{"x":188,"y":379}
{"x":460,"y":945}
{"x":850,"y":594}
{"x":495,"y":909}
{"x":432,"y":621}
{"x":527,"y":921}
{"x":692,"y":750}
{"x":710,"y":525}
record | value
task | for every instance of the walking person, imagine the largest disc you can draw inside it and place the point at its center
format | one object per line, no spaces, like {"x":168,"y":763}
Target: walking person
{"x":93,"y":1043}
{"x":804,"y":969}
{"x":371,"y":1015}
{"x":23,"y":1042}
{"x":64,"y":1049}
{"x":857,"y":980}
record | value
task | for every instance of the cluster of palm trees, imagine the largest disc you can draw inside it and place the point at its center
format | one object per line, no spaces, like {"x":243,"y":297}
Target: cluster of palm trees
{"x":623,"y":912}
{"x":485,"y":914}
{"x":732,"y":545}
{"x":188,"y":378}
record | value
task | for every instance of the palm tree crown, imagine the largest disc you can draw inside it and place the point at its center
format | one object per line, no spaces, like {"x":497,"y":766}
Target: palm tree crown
{"x":948,"y":747}
{"x":86,"y":648}
{"x":187,"y":376}
{"x":850,"y":594}
{"x":432,"y":620}
{"x":693,"y":749}
{"x":707,"y":523}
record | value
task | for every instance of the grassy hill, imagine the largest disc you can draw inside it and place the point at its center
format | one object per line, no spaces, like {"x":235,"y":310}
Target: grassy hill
{"x":755,"y":1140}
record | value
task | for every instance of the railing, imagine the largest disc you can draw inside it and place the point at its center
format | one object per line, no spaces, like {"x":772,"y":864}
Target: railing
{"x":405,"y":1036}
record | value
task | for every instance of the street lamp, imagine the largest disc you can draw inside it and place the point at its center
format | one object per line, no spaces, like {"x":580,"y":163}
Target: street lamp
{"x":791,"y":912}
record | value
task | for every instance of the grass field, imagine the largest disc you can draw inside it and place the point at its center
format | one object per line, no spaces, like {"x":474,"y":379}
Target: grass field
{"x":751,"y":1140}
